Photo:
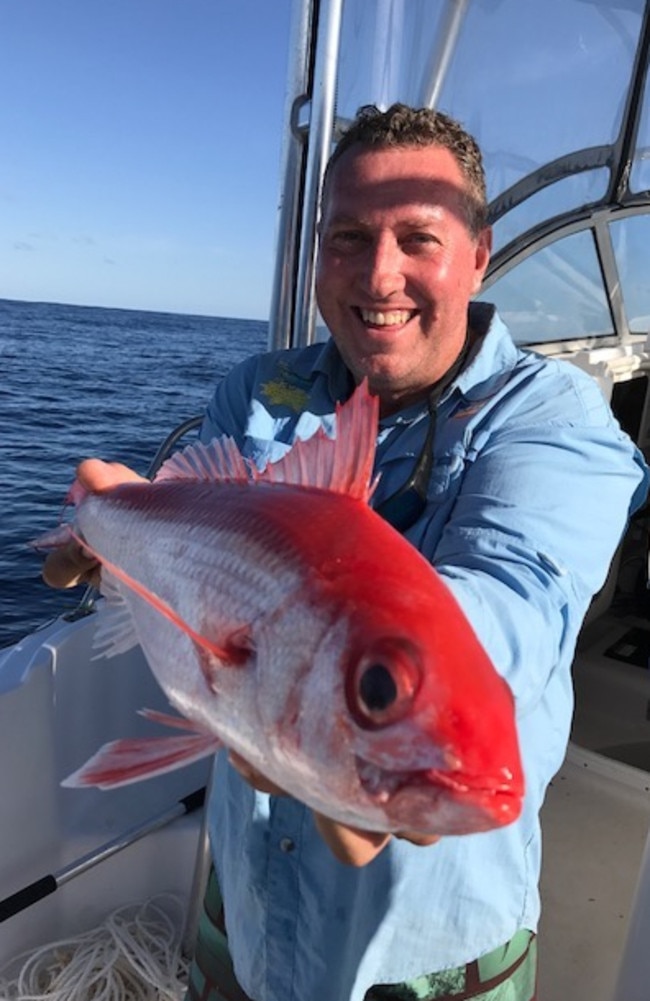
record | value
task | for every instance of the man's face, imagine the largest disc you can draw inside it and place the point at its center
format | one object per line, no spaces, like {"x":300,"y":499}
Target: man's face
{"x":397,"y":267}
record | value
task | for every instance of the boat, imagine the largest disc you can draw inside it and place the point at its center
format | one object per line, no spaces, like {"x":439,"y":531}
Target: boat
{"x":556,"y":92}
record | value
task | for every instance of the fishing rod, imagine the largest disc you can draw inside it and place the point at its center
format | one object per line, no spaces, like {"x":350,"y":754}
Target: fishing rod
{"x":42,"y":887}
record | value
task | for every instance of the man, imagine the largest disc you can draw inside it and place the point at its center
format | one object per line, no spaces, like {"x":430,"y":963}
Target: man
{"x":315,"y":910}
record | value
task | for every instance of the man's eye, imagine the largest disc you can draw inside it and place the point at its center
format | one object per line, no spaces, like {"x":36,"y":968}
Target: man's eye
{"x":347,"y":236}
{"x":347,"y":241}
{"x":421,"y":239}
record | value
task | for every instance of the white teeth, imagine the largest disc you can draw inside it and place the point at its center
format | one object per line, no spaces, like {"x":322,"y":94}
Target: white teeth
{"x":395,"y":318}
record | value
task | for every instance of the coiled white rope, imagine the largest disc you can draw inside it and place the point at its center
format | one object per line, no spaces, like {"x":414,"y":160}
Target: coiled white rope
{"x":134,"y":955}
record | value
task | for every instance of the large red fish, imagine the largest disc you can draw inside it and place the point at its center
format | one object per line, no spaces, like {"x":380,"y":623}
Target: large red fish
{"x":284,"y":617}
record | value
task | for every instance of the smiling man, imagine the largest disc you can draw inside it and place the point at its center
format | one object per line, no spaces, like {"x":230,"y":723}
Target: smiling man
{"x":487,"y":455}
{"x":404,"y":246}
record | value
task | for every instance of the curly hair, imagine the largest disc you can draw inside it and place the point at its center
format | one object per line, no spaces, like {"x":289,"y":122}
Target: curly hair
{"x":403,"y":126}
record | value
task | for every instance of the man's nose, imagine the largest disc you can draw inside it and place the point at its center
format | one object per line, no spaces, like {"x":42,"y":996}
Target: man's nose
{"x":382,"y":273}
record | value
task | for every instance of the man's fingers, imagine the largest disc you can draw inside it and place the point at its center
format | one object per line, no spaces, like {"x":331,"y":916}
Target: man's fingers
{"x":70,"y":566}
{"x":96,"y":475}
{"x":253,"y":777}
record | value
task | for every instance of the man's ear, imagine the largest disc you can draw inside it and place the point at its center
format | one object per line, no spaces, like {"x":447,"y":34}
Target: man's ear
{"x":482,"y":258}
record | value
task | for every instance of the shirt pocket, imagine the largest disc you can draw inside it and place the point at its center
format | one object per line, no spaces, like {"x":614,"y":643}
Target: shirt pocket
{"x":396,"y":471}
{"x":445,"y":476}
{"x":444,"y":487}
{"x":442,"y":491}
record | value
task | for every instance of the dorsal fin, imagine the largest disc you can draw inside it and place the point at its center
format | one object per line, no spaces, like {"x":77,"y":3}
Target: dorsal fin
{"x":342,"y":464}
{"x":219,"y":461}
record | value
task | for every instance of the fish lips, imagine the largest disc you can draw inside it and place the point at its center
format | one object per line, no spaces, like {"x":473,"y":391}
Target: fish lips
{"x":442,"y":801}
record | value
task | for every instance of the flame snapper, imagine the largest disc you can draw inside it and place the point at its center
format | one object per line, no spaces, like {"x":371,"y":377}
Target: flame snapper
{"x":286,"y":620}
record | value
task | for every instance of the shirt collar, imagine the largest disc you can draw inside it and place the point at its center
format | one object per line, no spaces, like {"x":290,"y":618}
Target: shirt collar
{"x":326,"y":360}
{"x":493,"y":353}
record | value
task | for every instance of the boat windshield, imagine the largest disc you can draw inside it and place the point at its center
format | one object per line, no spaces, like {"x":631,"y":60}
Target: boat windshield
{"x":555,"y":91}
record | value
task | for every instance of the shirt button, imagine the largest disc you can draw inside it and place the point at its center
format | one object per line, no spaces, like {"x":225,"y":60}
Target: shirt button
{"x":287,"y":845}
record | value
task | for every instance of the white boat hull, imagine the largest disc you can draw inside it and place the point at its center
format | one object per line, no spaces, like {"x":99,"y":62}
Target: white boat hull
{"x":57,"y":706}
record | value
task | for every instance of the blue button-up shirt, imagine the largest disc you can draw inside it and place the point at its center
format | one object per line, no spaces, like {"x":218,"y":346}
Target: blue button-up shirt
{"x":532,"y":485}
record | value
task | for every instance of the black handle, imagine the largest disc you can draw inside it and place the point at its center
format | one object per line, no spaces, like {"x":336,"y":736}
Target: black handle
{"x":194,"y":801}
{"x":48,"y":884}
{"x":27,"y":896}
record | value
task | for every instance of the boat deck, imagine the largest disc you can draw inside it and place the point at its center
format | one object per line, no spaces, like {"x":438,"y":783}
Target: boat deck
{"x":596,"y":819}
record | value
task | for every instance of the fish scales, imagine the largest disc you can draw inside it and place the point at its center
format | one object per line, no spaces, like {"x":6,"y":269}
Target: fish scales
{"x":209,"y":539}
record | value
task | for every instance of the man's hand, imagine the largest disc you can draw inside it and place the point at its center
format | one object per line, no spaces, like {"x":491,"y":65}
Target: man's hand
{"x":69,"y":566}
{"x":356,"y":847}
{"x":72,"y":564}
{"x":349,"y":845}
{"x":253,"y":777}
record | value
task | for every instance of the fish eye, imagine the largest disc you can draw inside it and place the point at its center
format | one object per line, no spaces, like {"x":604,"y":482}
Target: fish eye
{"x":384,"y":682}
{"x":377,"y":688}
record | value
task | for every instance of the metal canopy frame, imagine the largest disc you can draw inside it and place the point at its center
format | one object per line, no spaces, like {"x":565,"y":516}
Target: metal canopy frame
{"x":618,"y":201}
{"x":310,"y":110}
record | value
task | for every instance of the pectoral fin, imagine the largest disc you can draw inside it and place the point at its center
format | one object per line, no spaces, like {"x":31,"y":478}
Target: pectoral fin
{"x":122,"y":762}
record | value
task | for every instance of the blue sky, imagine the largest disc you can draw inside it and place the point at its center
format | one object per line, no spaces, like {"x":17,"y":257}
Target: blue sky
{"x":141,"y":144}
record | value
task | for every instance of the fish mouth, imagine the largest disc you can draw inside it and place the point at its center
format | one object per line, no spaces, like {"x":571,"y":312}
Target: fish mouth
{"x":383,"y":786}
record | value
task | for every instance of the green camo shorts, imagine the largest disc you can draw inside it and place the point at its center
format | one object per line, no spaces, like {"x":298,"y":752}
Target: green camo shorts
{"x":506,"y":974}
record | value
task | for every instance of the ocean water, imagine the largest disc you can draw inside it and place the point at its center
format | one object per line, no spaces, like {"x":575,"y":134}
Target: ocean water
{"x":81,"y":381}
